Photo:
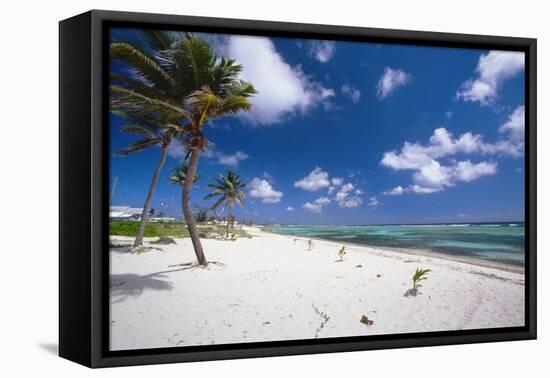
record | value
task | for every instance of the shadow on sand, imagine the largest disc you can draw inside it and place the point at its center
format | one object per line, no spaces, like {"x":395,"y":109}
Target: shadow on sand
{"x":134,"y":284}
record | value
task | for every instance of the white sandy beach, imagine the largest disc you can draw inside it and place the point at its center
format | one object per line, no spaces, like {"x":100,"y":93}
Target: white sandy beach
{"x":268,"y":288}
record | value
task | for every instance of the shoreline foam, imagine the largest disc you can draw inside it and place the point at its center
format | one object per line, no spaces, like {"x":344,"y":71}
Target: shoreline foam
{"x":416,"y":251}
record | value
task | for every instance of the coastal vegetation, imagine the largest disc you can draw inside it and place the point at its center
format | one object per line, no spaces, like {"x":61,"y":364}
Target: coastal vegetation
{"x":172,"y":229}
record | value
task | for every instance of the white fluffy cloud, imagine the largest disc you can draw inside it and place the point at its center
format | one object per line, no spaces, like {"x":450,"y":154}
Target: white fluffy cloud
{"x":317,"y":205}
{"x":397,"y":191}
{"x":373,"y":202}
{"x":466,"y":171}
{"x":348,"y":196}
{"x":390,"y":81}
{"x":353,"y":93}
{"x":442,"y":143}
{"x":283,"y":90}
{"x":334,"y":183}
{"x":492,"y":69}
{"x":344,"y":191}
{"x":515,"y":126}
{"x":322,"y":51}
{"x":289,"y":208}
{"x":430,"y":175}
{"x":351,"y":202}
{"x":178,"y":151}
{"x":231,"y":160}
{"x":315,"y":180}
{"x":435,"y":177}
{"x":263,"y":190}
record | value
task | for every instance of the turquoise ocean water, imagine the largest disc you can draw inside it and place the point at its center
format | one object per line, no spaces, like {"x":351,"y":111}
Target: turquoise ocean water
{"x":501,"y":242}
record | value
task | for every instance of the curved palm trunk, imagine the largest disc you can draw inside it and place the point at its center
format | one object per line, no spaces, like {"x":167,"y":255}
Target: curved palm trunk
{"x":187,"y":212}
{"x":149,"y":199}
{"x":228,"y":220}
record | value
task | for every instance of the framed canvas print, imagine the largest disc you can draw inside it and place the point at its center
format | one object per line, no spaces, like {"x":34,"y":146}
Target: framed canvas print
{"x":233,"y":188}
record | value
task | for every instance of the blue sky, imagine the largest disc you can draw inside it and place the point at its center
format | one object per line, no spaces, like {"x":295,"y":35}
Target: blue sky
{"x":356,"y":133}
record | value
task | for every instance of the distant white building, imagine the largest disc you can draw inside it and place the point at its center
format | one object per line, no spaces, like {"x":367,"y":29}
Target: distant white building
{"x":133,"y":213}
{"x":162,"y":219}
{"x":224,"y":222}
{"x":125,"y":213}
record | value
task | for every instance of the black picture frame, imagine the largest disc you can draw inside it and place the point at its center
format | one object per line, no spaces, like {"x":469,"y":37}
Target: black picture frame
{"x":83,"y":196}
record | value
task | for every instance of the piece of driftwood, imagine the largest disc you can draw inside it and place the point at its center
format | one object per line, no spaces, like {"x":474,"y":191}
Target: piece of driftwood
{"x":366,"y":320}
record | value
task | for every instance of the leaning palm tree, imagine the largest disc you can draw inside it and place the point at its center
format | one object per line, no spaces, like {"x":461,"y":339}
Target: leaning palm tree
{"x":178,"y":78}
{"x":229,"y":189}
{"x":149,"y":99}
{"x":227,"y":95}
{"x":150,"y":135}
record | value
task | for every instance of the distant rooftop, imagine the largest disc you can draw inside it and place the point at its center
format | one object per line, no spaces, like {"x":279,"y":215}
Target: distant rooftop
{"x":124,"y":211}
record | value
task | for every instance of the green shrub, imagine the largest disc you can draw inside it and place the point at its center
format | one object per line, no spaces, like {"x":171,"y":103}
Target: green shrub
{"x":157,"y":229}
{"x":172,"y":229}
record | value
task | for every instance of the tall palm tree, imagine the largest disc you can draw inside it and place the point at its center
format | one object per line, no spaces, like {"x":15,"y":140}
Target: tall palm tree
{"x":229,"y":189}
{"x":229,"y":95}
{"x":154,"y":92}
{"x":149,"y":99}
{"x":180,"y":79}
{"x":150,"y":135}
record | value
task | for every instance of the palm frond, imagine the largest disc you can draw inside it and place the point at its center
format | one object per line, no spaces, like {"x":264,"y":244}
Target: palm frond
{"x":139,"y":145}
{"x":193,"y":63}
{"x":179,"y":174}
{"x":137,"y":106}
{"x":232,"y":105}
{"x":143,"y":64}
{"x":162,"y":40}
{"x":228,"y":186}
{"x":217,"y":203}
{"x":139,"y":129}
{"x":419,"y":275}
{"x":241,"y":88}
{"x":224,"y":74}
{"x":133,"y":85}
{"x":215,"y":193}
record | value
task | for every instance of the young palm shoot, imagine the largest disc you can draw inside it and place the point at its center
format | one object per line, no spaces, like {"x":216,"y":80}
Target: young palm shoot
{"x":341,"y":253}
{"x":418,"y":276}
